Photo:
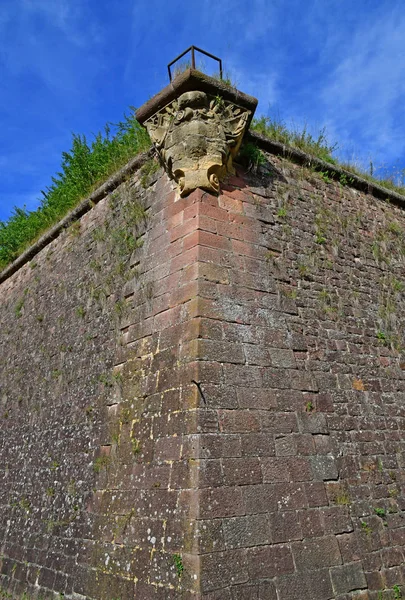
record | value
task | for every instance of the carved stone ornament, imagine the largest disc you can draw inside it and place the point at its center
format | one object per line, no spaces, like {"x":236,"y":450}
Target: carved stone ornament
{"x":197,"y":136}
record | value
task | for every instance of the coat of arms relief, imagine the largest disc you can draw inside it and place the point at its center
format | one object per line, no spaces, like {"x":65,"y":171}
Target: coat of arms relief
{"x":197,"y":136}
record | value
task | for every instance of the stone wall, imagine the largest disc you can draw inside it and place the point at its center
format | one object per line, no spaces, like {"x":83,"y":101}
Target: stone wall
{"x":302,"y":445}
{"x":93,"y":410}
{"x":203,"y":397}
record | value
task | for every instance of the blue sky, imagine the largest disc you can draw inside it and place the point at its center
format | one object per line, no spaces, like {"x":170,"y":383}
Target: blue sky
{"x":72,"y":65}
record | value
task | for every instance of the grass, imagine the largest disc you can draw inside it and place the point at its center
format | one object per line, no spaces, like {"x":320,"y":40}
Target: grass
{"x":136,"y":446}
{"x":252,"y":156}
{"x":277,"y":130}
{"x":184,"y":64}
{"x":380,"y":512}
{"x":309,"y":407}
{"x":366,"y":528}
{"x":226,"y":79}
{"x":147,"y":170}
{"x":102,"y":462}
{"x":393,"y":180}
{"x":83,"y":168}
{"x":88,"y":164}
{"x":180,"y":67}
{"x":18,"y":307}
{"x":178,"y":564}
{"x":320,"y":147}
{"x":343,"y":498}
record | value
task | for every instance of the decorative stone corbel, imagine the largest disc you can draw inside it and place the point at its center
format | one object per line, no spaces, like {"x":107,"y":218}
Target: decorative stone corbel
{"x":196,"y":137}
{"x":198,"y":133}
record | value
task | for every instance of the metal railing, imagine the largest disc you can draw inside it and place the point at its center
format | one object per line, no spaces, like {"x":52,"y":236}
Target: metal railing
{"x":193,"y":50}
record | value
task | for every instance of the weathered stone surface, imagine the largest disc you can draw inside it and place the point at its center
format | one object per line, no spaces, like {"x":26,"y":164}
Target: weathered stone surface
{"x":196,"y":137}
{"x":348,"y":578}
{"x":242,"y":532}
{"x":225,"y":397}
{"x":94,"y":464}
{"x":198,"y":132}
{"x":324,"y":467}
{"x":313,"y":586}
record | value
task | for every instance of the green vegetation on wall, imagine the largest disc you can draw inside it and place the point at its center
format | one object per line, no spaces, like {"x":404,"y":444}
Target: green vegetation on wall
{"x":83,"y":168}
{"x":320,"y":147}
{"x":278,"y":131}
{"x":87,"y":165}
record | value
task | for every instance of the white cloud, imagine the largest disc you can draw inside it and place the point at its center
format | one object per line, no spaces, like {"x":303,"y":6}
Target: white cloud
{"x":261,"y":85}
{"x":243,"y":20}
{"x":364,"y":94}
{"x":65,"y":15}
{"x":44,"y":38}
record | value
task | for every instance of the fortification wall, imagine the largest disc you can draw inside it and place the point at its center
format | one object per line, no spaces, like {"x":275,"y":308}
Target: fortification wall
{"x":90,"y":494}
{"x":280,"y":475}
{"x":304,"y":329}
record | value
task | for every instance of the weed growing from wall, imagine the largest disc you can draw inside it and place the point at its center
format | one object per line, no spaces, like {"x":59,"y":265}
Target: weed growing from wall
{"x":251,"y":156}
{"x":178,"y":563}
{"x":147,"y":170}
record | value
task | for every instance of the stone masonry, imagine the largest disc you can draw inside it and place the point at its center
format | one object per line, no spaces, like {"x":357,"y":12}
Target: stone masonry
{"x":202,"y":397}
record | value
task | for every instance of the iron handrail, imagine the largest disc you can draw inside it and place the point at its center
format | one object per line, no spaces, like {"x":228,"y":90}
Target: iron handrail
{"x":193,"y":50}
